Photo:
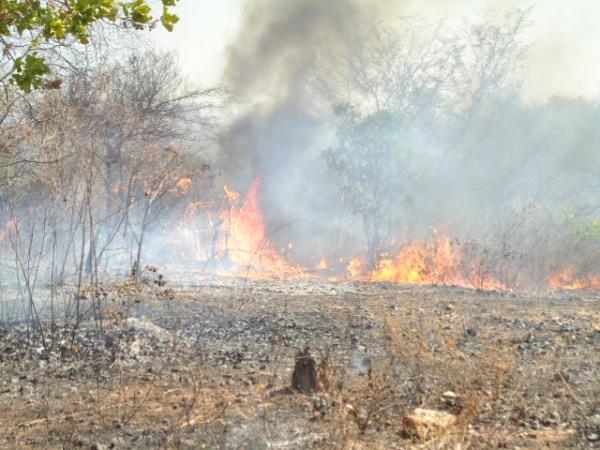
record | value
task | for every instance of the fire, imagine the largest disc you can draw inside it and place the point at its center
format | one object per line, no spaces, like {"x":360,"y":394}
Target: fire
{"x":422,"y":262}
{"x":567,"y":279}
{"x":231,"y":195}
{"x":234,"y":237}
{"x":323,"y":264}
{"x":246,"y":243}
{"x":356,"y":268}
{"x":182,"y":187}
{"x":191,"y":210}
{"x":436,"y":261}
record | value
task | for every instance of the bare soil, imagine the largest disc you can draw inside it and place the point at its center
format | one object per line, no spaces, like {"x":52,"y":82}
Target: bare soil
{"x":210,"y":366}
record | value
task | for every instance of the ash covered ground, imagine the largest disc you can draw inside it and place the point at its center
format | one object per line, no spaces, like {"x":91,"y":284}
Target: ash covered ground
{"x":210,"y":366}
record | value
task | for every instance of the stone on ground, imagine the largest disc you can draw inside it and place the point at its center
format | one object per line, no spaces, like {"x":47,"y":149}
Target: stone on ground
{"x":425,"y":423}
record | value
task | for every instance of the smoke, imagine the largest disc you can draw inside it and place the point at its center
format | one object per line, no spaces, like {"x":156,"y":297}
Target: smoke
{"x":500,"y":156}
{"x":512,"y":178}
{"x":279,"y":42}
{"x":269,"y":71}
{"x":282,"y":127}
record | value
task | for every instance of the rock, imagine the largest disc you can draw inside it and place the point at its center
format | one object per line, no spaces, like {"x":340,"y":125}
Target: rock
{"x":449,"y":395}
{"x":453,"y":401}
{"x":592,"y":436}
{"x":145,"y":326}
{"x":361,"y":363}
{"x":423,"y":423}
{"x":320,"y":403}
{"x":304,"y":377}
{"x":470,"y":332}
{"x":96,"y":446}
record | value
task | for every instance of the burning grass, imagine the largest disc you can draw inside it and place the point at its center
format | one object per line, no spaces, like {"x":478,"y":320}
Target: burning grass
{"x":243,"y":246}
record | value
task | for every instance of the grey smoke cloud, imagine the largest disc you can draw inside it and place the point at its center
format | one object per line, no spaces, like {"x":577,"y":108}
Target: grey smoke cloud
{"x":282,"y":124}
{"x":562,"y":61}
{"x":280,"y":131}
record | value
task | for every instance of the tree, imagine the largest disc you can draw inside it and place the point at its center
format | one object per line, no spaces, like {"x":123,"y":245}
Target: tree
{"x":374,"y":172}
{"x":402,"y":69}
{"x":451,"y":90}
{"x":99,"y":164}
{"x":26,"y":25}
{"x":159,"y":178}
{"x":142,"y":113}
{"x":438,"y":76}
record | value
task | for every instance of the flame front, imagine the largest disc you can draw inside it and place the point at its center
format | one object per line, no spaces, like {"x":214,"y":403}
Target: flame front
{"x":246,"y":243}
{"x":422,"y":262}
{"x":236,"y":240}
{"x":567,"y":279}
{"x":436,"y":261}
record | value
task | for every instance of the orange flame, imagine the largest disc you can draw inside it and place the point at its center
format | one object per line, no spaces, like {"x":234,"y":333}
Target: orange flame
{"x":247,"y":244}
{"x":182,"y":187}
{"x":323,"y":264}
{"x":356,"y":268}
{"x":232,"y":195}
{"x":567,"y":279}
{"x":421,"y":262}
{"x":238,"y":236}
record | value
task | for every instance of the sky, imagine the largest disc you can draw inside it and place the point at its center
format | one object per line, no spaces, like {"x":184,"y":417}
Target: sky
{"x":564,"y":58}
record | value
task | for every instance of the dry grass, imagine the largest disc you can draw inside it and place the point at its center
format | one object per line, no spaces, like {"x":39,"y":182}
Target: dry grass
{"x":511,"y":384}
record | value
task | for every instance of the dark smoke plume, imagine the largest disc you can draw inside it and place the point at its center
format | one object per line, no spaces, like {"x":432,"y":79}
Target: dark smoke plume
{"x":281,"y":127}
{"x":479,"y":164}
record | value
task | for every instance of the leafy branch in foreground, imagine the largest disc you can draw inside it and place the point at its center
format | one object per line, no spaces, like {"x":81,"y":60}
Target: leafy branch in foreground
{"x":32,"y":22}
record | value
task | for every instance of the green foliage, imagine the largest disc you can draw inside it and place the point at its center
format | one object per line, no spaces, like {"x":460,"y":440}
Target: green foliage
{"x":371,"y":164}
{"x":29,"y":72}
{"x":37,"y":21}
{"x":583,"y":233}
{"x":577,"y":244}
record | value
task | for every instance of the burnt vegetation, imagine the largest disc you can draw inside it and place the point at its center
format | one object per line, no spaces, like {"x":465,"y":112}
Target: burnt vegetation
{"x":365,"y":237}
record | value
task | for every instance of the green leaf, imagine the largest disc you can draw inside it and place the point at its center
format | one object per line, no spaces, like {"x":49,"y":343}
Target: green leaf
{"x":29,"y":72}
{"x":168,"y":19}
{"x":54,"y":20}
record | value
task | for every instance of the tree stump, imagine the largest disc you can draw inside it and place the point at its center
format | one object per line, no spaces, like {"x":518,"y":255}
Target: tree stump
{"x":304,"y":377}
